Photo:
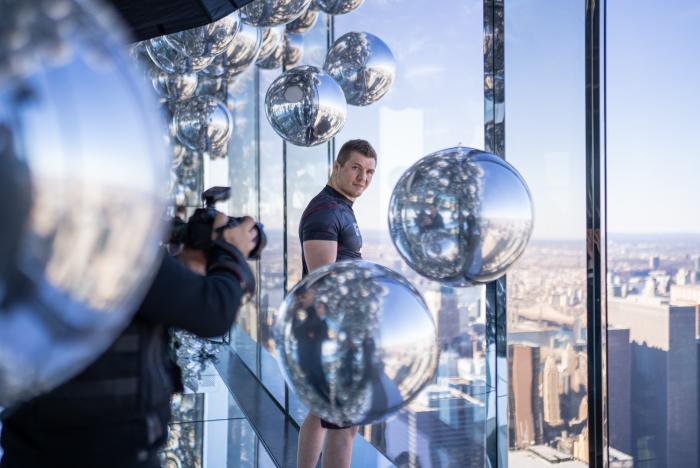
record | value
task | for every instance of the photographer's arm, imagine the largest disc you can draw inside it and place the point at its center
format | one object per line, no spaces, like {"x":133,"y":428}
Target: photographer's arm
{"x":205,"y":305}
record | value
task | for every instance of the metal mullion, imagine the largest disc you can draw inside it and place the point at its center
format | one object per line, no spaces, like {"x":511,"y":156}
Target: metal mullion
{"x":595,"y":235}
{"x":496,"y":436}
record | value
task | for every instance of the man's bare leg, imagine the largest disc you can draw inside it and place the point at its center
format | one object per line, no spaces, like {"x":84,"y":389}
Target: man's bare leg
{"x":338,"y":451}
{"x":310,"y":442}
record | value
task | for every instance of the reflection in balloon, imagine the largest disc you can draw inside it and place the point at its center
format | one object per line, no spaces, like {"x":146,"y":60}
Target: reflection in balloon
{"x":461,"y":216}
{"x":202,"y":123}
{"x":338,"y":7}
{"x":239,"y":55}
{"x":363,"y":66}
{"x":272,"y":12}
{"x":272,"y":51}
{"x":293,"y":49}
{"x":174,"y":86}
{"x":208,"y":40}
{"x":305,"y":106}
{"x":82,"y":187}
{"x":170,"y":60}
{"x":304,"y":22}
{"x":356,"y":341}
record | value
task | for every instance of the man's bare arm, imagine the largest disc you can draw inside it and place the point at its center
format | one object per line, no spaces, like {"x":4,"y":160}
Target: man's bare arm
{"x":319,"y":252}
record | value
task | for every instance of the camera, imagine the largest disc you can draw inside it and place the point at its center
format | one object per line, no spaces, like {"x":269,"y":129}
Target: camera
{"x":196,"y":232}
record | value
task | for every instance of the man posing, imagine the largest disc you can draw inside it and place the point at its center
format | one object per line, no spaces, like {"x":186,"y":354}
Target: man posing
{"x":329,"y":233}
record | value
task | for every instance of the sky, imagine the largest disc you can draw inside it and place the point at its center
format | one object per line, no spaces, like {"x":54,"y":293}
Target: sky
{"x":437,"y":102}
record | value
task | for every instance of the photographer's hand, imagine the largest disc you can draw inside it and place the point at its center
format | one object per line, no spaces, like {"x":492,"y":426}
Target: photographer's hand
{"x":243,"y":237}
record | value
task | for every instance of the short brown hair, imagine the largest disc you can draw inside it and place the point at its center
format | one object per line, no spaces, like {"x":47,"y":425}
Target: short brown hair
{"x":361,"y":146}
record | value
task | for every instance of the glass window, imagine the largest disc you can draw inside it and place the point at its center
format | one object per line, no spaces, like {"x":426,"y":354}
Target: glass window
{"x":546,"y":303}
{"x":272,"y":272}
{"x":243,"y":177}
{"x":436,"y":102}
{"x":653,"y":267}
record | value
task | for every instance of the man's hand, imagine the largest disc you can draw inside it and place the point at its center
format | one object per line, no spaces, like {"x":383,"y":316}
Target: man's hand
{"x":243,"y":237}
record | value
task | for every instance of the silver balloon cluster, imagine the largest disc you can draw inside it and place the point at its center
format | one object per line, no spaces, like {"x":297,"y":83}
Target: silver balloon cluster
{"x":356,"y":341}
{"x":83,"y":174}
{"x":305,"y":106}
{"x":461,"y":216}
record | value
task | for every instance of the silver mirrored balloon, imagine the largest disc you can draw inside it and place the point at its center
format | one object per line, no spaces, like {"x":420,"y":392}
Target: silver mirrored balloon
{"x":356,"y":341}
{"x":240,"y":54}
{"x":170,"y":60}
{"x":338,"y":7}
{"x":272,"y":51}
{"x":304,"y":22}
{"x":206,"y":41}
{"x":363,"y":66}
{"x":305,"y":106}
{"x":83,"y":185}
{"x":461,"y":216}
{"x":202,"y":123}
{"x":272,"y":12}
{"x":173,"y":86}
{"x":293,"y":49}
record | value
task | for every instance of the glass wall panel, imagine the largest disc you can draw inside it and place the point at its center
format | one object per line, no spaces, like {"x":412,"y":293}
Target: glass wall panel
{"x":307,"y":173}
{"x":436,"y":102}
{"x":546,"y":303}
{"x":243,"y":176}
{"x":654,"y":232}
{"x":272,"y":270}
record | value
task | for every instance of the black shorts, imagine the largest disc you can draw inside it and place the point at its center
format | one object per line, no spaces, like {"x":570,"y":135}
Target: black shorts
{"x":329,"y":425}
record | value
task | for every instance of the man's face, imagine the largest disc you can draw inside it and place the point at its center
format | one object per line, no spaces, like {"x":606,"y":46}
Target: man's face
{"x":355,"y":175}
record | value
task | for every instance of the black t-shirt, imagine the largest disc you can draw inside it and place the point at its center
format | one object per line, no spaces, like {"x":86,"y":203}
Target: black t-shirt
{"x":329,"y":216}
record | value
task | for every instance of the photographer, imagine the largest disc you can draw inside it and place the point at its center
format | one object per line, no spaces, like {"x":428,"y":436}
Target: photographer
{"x":116,"y":412}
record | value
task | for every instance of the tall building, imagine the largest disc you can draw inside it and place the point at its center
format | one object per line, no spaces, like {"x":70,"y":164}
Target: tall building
{"x":620,"y":388}
{"x":550,"y":392}
{"x":664,"y":378}
{"x":525,"y":416}
{"x":654,"y":262}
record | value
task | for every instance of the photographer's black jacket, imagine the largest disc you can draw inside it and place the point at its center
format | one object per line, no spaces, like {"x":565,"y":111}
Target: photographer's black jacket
{"x":118,"y":408}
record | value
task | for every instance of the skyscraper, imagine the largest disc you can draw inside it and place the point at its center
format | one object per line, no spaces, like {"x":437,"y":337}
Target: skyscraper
{"x":620,"y":388}
{"x":550,"y":392}
{"x":525,"y":416}
{"x":664,"y":378}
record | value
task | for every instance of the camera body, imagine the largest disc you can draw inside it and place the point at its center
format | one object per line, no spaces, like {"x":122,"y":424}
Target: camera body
{"x":196,"y":232}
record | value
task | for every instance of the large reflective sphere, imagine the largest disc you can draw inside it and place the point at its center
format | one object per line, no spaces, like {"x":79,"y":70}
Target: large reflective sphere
{"x":461,"y":216}
{"x":357,"y":342}
{"x":272,"y":12}
{"x":304,"y":22}
{"x":206,"y":41}
{"x":239,"y":55}
{"x":363,"y":65}
{"x":305,"y":106}
{"x":170,"y":60}
{"x":203,"y":123}
{"x":83,"y":186}
{"x":338,"y":7}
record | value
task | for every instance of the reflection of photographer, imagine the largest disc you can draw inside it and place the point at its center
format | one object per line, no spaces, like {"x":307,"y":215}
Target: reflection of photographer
{"x":115,"y":414}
